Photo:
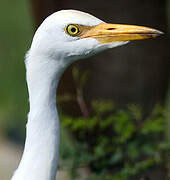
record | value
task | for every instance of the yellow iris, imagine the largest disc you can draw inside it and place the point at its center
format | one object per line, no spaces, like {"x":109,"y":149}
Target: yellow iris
{"x":72,"y":30}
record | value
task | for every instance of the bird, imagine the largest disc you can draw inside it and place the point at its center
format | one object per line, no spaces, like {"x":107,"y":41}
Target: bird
{"x":63,"y":38}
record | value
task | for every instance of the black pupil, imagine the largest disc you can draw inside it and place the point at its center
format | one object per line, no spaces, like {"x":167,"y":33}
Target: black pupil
{"x":73,"y":30}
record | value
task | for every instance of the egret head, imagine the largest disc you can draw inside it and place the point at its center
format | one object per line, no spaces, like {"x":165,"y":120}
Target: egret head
{"x":70,"y":35}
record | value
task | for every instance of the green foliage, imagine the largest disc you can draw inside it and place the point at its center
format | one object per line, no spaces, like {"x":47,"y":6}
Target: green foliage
{"x":16,"y":30}
{"x":114,"y":144}
{"x":117,"y":144}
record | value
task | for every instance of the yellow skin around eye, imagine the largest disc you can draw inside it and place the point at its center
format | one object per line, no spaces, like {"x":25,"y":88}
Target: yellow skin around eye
{"x":107,"y":33}
{"x":72,"y":30}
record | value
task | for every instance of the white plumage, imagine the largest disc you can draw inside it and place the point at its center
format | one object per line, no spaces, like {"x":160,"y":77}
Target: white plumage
{"x":52,"y":50}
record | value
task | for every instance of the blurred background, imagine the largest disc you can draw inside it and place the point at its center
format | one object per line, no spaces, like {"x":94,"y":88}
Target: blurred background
{"x":113,"y":107}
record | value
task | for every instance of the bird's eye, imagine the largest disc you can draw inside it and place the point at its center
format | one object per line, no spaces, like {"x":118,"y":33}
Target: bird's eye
{"x":72,"y":29}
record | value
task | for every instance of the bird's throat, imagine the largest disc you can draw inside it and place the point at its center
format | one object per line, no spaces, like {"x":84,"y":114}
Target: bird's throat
{"x":40,"y":157}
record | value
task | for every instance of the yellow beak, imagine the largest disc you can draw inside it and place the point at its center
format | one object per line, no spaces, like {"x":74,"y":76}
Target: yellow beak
{"x":107,"y":33}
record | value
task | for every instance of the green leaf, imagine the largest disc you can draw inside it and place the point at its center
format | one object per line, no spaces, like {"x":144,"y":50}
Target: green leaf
{"x":153,"y":126}
{"x":101,"y":107}
{"x":75,"y":73}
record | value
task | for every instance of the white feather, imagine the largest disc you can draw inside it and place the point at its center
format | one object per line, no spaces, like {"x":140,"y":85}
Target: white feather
{"x":52,"y":50}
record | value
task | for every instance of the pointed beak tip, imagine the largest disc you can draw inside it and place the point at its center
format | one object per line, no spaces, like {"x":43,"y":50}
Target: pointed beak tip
{"x":159,"y":33}
{"x":153,"y":33}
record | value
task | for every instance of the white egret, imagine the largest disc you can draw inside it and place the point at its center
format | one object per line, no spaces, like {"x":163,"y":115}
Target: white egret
{"x":63,"y":37}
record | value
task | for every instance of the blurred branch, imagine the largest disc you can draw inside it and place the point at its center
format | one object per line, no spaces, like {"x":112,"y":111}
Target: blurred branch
{"x":80,"y":80}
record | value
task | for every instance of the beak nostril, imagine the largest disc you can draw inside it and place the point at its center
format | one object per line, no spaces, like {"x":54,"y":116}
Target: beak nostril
{"x":111,"y":28}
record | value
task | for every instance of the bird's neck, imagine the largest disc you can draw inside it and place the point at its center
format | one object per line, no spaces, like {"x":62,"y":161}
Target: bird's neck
{"x":40,"y":157}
